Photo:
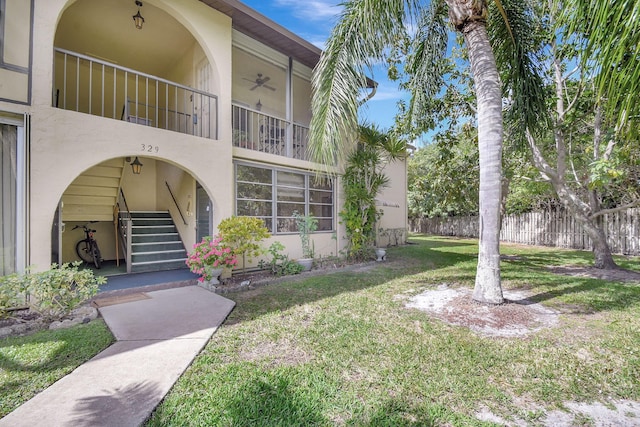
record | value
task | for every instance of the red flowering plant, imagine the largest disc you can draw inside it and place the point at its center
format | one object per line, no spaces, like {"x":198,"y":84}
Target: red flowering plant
{"x":209,"y":255}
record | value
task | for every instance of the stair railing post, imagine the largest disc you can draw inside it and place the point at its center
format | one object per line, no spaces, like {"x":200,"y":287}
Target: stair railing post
{"x":129,"y":244}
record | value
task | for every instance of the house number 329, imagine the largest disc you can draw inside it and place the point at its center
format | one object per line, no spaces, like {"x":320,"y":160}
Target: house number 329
{"x":150,"y":148}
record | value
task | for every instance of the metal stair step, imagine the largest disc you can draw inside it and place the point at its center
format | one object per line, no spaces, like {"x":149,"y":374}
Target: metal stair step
{"x":154,"y":238}
{"x":149,"y":214}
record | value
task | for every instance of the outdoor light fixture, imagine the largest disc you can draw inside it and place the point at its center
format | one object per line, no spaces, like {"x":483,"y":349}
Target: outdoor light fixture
{"x":137,"y":18}
{"x":259,"y":105}
{"x":136,"y":166}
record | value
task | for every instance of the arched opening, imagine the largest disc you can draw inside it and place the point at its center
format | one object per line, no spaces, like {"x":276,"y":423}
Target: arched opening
{"x":156,"y":76}
{"x":142,"y":221}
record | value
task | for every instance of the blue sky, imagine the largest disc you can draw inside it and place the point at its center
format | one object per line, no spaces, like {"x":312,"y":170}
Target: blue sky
{"x":313,"y":20}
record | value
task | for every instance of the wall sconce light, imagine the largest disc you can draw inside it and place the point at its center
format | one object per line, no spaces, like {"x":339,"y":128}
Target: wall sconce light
{"x":189,"y":211}
{"x":259,"y":105}
{"x":136,"y":166}
{"x":137,"y":18}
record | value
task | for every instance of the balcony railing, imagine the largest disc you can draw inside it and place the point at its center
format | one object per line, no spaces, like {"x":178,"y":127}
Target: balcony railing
{"x":255,"y":130}
{"x":88,"y":85}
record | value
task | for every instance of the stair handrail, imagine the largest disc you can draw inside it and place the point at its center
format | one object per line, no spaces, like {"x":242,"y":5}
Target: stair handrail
{"x":176,"y":203}
{"x":124,"y":228}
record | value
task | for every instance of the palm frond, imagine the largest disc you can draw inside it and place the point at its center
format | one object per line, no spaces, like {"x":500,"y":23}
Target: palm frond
{"x":359,"y":39}
{"x":516,"y":44}
{"x":387,"y":143}
{"x":426,"y":65}
{"x":612,"y":31}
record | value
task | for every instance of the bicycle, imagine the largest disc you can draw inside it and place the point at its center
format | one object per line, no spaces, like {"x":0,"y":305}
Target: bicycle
{"x":87,"y":249}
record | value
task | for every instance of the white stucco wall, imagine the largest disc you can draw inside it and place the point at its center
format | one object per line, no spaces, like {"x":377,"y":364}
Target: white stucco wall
{"x":394,"y":218}
{"x":63,"y":143}
{"x":66,"y":143}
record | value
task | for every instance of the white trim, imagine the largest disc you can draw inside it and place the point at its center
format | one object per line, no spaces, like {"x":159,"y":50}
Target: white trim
{"x":302,"y":71}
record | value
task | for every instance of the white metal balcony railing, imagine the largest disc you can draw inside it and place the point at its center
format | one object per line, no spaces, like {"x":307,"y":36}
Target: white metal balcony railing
{"x":255,"y":130}
{"x":89,"y":85}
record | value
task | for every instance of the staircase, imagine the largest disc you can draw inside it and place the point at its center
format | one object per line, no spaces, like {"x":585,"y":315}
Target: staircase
{"x":92,"y":195}
{"x":156,"y":244}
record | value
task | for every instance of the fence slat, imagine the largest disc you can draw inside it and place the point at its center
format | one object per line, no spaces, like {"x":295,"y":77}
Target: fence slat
{"x":554,"y":227}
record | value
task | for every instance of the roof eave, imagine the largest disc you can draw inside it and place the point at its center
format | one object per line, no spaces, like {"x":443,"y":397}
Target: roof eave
{"x":257,"y":26}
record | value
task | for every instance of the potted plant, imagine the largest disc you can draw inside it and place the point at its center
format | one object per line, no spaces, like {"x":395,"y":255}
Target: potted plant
{"x":381,"y":251}
{"x":307,"y":224}
{"x":240,"y":138}
{"x":209,"y":258}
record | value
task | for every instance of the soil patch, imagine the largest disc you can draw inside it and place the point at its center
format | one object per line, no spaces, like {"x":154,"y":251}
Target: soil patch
{"x":517,"y":317}
{"x":258,"y":278}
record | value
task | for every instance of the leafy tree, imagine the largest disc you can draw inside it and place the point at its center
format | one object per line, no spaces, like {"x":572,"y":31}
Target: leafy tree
{"x":444,"y":176}
{"x":581,"y":155}
{"x":365,"y":33}
{"x":363,"y":178}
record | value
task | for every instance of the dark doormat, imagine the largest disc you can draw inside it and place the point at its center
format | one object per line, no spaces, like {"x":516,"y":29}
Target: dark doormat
{"x":120,"y":299}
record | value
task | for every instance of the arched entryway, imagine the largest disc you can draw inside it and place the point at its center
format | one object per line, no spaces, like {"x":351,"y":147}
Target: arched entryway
{"x":145,"y":212}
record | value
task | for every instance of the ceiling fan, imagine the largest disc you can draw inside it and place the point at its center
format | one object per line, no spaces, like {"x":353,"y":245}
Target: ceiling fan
{"x":260,"y":82}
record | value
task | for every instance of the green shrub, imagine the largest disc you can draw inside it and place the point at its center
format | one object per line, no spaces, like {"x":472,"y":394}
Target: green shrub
{"x":54,"y":292}
{"x":280,"y":264}
{"x":243,"y":235}
{"x":307,"y":224}
{"x":13,"y":293}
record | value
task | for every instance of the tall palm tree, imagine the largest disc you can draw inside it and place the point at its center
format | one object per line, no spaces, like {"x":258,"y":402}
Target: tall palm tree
{"x":363,"y":35}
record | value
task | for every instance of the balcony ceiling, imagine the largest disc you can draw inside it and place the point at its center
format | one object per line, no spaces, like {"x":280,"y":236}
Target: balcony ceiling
{"x":105,"y":29}
{"x":259,"y":27}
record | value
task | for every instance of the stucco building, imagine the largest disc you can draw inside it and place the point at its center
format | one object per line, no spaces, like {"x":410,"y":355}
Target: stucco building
{"x":210,"y":97}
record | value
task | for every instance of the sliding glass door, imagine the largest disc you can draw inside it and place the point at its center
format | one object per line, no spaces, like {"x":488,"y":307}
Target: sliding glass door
{"x":12,"y":198}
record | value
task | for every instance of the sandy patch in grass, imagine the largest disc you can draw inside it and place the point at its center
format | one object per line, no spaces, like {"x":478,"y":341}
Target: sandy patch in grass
{"x":616,"y":413}
{"x":278,"y":353}
{"x":517,"y":317}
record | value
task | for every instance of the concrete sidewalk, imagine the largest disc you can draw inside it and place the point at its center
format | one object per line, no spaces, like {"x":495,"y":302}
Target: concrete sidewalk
{"x":158,"y":336}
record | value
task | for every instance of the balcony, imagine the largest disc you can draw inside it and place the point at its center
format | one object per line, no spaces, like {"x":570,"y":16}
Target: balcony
{"x":92,"y":86}
{"x":257,"y":131}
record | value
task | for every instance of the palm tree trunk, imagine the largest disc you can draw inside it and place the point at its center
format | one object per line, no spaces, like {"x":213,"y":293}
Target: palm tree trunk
{"x":488,"y":287}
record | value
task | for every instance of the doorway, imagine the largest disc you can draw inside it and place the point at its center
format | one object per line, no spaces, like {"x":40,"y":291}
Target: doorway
{"x":204,"y":213}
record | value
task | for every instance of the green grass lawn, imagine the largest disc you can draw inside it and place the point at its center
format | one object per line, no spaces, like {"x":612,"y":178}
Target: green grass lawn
{"x":31,"y":363}
{"x":341,"y":348}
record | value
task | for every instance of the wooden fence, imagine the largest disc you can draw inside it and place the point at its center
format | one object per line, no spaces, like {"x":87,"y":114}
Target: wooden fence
{"x":549,"y":228}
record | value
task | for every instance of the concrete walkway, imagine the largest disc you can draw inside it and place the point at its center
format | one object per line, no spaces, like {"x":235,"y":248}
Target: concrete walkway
{"x":158,"y":336}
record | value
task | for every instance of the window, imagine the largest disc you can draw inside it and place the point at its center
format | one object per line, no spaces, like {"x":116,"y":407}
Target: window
{"x":275,"y":194}
{"x":8,"y":173}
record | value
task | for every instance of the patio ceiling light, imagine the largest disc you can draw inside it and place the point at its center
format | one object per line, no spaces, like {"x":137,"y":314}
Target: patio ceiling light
{"x":137,"y":18}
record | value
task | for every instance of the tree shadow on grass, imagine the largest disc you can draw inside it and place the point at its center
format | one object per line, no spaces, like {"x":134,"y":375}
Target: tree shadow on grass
{"x":272,"y":400}
{"x":296,"y":290}
{"x":23,"y":376}
{"x":597,"y":294}
{"x":65,"y":354}
{"x":395,"y":412}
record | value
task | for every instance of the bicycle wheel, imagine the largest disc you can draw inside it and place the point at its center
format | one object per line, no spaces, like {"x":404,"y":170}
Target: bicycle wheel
{"x":95,"y":252}
{"x":83,"y":251}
